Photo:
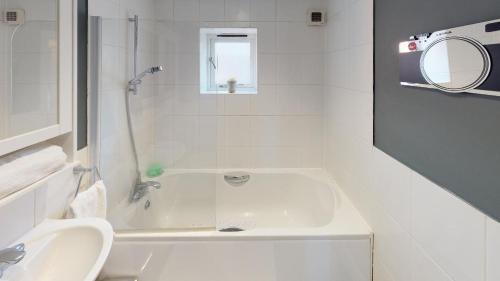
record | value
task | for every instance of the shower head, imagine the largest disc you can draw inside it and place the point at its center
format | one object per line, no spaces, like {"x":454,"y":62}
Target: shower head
{"x":138,"y":78}
{"x":157,"y":68}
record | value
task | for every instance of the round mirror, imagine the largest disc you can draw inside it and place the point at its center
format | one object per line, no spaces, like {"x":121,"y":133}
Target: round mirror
{"x":455,"y":64}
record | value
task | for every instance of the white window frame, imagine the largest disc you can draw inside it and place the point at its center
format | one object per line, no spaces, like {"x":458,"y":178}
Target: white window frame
{"x":211,"y":61}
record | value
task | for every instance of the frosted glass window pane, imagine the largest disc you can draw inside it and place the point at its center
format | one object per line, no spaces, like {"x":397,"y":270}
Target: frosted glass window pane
{"x":234,"y":61}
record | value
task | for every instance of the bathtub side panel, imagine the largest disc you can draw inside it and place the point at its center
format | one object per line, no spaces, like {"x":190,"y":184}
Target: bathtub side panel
{"x":316,"y":260}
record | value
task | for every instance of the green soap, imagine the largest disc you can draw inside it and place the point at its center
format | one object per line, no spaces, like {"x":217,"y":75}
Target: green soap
{"x":155,"y":170}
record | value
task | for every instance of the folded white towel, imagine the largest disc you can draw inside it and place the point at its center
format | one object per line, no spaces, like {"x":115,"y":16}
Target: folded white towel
{"x":90,"y":203}
{"x":21,"y":169}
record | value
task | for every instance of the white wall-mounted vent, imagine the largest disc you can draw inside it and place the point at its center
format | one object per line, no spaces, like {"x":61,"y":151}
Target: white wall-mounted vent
{"x":316,"y":17}
{"x":14,"y":16}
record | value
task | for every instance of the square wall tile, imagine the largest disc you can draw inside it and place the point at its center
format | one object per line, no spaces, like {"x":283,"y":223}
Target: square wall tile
{"x":212,"y":10}
{"x":265,"y":102}
{"x":337,"y":33}
{"x":52,"y":199}
{"x":186,"y":100}
{"x":380,"y":273}
{"x":209,"y":104}
{"x":312,"y":128}
{"x":266,"y":32}
{"x":186,"y":10}
{"x":235,"y":157}
{"x":238,"y":104}
{"x":291,"y":131}
{"x":277,"y":157}
{"x":267,"y":74}
{"x":339,"y":74}
{"x":289,"y":99}
{"x":311,"y":100}
{"x":263,"y":10}
{"x":311,"y":157}
{"x":187,"y":37}
{"x":289,"y":69}
{"x":163,"y":133}
{"x":164,"y":102}
{"x":424,"y":268}
{"x":164,"y":9}
{"x":449,"y":230}
{"x":186,"y":132}
{"x":392,"y":187}
{"x":493,"y":251}
{"x":164,"y":37}
{"x":298,"y":37}
{"x":392,"y":246}
{"x":208,"y":132}
{"x":360,"y":69}
{"x":360,"y":27}
{"x":238,"y":131}
{"x":266,"y":131}
{"x":187,"y":70}
{"x":17,"y":218}
{"x":297,"y":69}
{"x":312,"y":66}
{"x":237,"y":10}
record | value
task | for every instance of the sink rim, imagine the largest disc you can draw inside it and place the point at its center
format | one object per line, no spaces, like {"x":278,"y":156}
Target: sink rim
{"x":48,"y":226}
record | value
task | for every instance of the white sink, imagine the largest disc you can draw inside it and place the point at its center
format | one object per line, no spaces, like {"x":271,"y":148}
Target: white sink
{"x":63,"y":250}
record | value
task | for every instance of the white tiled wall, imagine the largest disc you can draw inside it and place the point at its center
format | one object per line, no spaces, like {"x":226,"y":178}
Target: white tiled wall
{"x":422,"y":232}
{"x":281,"y":126}
{"x":29,"y":87}
{"x":46,"y":199}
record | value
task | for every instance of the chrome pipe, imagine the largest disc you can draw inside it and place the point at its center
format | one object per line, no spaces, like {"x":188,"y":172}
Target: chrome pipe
{"x":133,"y":89}
{"x":135,"y":20}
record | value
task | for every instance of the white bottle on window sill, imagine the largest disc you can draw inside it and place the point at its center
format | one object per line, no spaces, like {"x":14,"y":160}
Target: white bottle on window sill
{"x":231,"y":85}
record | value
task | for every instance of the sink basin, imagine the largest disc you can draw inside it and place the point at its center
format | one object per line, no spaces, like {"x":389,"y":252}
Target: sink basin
{"x":63,"y":250}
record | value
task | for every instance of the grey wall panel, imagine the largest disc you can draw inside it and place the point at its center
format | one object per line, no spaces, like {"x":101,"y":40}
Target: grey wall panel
{"x":452,"y":139}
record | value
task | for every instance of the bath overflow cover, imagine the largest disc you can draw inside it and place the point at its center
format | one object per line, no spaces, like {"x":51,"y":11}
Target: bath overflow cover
{"x":237,"y":179}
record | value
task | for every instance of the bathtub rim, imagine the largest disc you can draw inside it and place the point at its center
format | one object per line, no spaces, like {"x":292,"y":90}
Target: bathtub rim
{"x":347,"y":222}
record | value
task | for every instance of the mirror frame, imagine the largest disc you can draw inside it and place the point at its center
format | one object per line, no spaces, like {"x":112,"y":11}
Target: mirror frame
{"x":66,"y":42}
{"x":479,"y":47}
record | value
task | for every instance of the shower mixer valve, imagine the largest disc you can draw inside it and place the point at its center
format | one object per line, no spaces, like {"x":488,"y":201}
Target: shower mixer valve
{"x":142,"y":188}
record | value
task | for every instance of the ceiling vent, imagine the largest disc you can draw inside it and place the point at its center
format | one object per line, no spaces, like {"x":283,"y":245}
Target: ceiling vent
{"x":316,"y":17}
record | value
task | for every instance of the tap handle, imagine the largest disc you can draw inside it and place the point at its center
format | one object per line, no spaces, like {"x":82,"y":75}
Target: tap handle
{"x":12,"y":255}
{"x":19,"y":247}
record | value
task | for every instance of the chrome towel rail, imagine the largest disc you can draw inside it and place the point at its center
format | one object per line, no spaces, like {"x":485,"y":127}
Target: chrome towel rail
{"x":81,"y":171}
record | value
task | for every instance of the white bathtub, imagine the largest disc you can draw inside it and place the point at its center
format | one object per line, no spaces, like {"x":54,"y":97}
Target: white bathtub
{"x":297,"y":226}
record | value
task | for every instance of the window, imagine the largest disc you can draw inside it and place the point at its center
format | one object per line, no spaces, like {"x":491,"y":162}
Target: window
{"x":228,"y":55}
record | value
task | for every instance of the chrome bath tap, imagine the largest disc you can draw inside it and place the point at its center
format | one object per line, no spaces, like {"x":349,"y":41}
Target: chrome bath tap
{"x":11,"y":256}
{"x":142,"y":188}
